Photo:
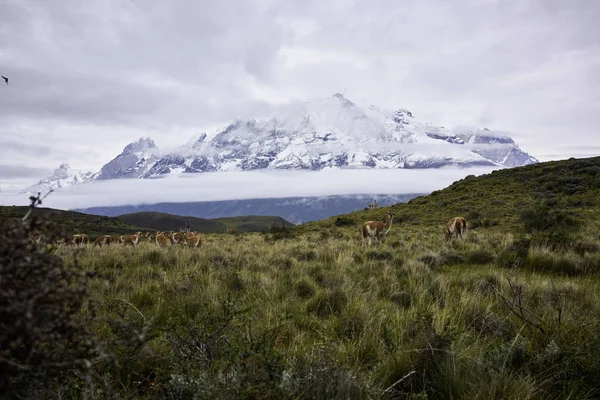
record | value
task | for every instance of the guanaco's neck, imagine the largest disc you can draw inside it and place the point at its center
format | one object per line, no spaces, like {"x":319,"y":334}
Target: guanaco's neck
{"x":388,"y":223}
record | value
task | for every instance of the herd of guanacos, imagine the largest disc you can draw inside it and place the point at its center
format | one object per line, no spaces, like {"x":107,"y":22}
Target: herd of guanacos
{"x":191,"y":239}
{"x":455,"y":227}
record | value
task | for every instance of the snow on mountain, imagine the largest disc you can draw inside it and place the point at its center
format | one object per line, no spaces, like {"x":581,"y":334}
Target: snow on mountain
{"x":63,"y":176}
{"x":135,"y":160}
{"x":329,"y":133}
{"x":196,"y":155}
{"x":494,"y":145}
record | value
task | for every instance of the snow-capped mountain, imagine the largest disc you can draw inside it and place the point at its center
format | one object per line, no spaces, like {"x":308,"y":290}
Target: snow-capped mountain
{"x":496,"y":146}
{"x":332,"y":132}
{"x":133,"y":162}
{"x":63,"y":176}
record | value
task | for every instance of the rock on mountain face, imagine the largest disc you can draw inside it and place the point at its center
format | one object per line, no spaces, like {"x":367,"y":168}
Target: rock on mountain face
{"x":330,"y":133}
{"x":63,"y":176}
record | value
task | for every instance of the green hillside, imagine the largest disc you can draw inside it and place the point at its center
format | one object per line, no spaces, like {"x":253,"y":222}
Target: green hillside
{"x":529,"y":198}
{"x":94,"y":225}
{"x":253,"y":223}
{"x":73,"y":221}
{"x":169,"y":222}
{"x":163,"y":221}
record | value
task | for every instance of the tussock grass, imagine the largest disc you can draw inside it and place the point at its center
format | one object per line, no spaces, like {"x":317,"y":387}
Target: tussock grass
{"x":305,"y":317}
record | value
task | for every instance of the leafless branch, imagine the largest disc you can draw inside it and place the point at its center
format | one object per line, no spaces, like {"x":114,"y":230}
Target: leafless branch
{"x":399,"y":380}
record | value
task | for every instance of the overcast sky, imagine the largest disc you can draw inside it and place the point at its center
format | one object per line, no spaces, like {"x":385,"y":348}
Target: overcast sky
{"x":88,"y":77}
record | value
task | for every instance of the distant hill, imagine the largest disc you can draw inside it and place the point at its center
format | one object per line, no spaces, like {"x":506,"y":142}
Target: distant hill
{"x":94,"y":225}
{"x":73,"y":221}
{"x":296,"y":210}
{"x":552,"y":192}
{"x":163,"y":221}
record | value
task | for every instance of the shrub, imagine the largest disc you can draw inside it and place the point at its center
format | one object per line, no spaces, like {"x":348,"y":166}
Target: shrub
{"x":279,"y":232}
{"x":221,"y":354}
{"x":480,"y":256}
{"x":344,"y":221}
{"x":304,"y":289}
{"x":451,"y":258}
{"x":328,"y":303}
{"x":549,"y":224}
{"x":309,"y":255}
{"x":235,"y":283}
{"x":402,"y":299}
{"x":44,"y":335}
{"x":379,"y":255}
{"x":430,"y":260}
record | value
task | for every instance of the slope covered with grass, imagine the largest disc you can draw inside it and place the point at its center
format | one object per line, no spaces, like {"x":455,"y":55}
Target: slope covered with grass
{"x":166,"y":222}
{"x":254,"y":223}
{"x":530,"y":198}
{"x":74,"y":222}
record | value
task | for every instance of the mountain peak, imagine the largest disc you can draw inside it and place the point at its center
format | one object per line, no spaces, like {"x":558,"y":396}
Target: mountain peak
{"x":341,"y":99}
{"x":143,"y":144}
{"x":196,"y":140}
{"x":63,"y":171}
{"x":402,"y":116}
{"x":135,"y":160}
{"x":63,"y":176}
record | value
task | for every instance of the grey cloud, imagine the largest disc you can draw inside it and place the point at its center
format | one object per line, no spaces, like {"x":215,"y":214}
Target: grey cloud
{"x":81,"y":61}
{"x":72,"y":96}
{"x":8,"y":171}
{"x":14,"y":150}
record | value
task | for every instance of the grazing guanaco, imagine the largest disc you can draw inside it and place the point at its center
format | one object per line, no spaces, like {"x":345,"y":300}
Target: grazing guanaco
{"x":456,"y":226}
{"x":194,"y":240}
{"x":177,"y":238}
{"x":103,"y":240}
{"x":129,"y":239}
{"x":83,"y":239}
{"x":77,"y":239}
{"x":162,"y":240}
{"x":376,"y":229}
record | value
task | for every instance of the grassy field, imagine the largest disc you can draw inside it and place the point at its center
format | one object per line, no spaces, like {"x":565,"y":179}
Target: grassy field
{"x":315,"y":317}
{"x":512,"y":312}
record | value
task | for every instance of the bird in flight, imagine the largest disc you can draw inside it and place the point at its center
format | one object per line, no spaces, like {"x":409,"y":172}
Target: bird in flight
{"x":5,"y":79}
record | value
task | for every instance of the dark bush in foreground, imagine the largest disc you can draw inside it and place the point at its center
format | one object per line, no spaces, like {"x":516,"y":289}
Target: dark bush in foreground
{"x":44,"y":337}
